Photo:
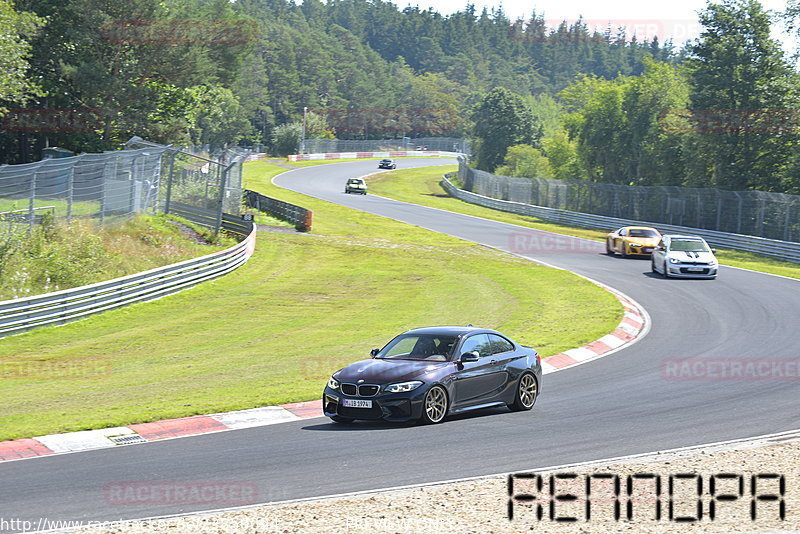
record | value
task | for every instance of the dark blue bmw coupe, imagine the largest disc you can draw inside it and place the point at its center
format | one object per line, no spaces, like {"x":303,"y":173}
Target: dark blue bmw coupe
{"x":427,"y":373}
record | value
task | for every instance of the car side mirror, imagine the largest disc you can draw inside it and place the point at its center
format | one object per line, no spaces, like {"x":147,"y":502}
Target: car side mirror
{"x":713,"y":251}
{"x":374,"y":352}
{"x":469,"y":357}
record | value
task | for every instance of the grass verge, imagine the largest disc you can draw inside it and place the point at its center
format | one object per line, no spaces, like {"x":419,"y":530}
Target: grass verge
{"x":275,"y":329}
{"x":61,"y":255}
{"x":418,"y":187}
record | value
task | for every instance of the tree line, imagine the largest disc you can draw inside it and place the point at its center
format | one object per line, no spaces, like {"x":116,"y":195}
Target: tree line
{"x":568,"y":101}
{"x":724,"y":114}
{"x":88,"y":74}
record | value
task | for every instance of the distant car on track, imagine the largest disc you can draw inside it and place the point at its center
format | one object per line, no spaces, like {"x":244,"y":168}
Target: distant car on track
{"x":684,"y":256}
{"x":387,"y":164}
{"x":633,"y":241}
{"x":427,"y":373}
{"x":356,"y":185}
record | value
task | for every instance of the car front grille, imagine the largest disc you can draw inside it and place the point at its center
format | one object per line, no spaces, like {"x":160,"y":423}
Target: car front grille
{"x":361,"y":413}
{"x":368,"y":390}
{"x":364,"y":390}
{"x":684,"y":270}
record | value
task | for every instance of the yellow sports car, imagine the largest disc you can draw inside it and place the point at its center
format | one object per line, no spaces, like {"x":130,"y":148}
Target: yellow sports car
{"x":633,"y":241}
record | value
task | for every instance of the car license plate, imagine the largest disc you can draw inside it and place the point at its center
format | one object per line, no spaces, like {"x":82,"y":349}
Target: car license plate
{"x":695,"y":269}
{"x":356,"y":403}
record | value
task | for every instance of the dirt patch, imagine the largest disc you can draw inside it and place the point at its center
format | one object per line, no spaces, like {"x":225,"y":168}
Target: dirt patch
{"x":277,"y":229}
{"x":191,"y":234}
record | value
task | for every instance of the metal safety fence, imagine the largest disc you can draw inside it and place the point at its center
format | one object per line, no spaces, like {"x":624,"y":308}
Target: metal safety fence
{"x":200,"y":180}
{"x":446,"y":144}
{"x":146,"y":177}
{"x":754,"y":213}
{"x":785,"y":250}
{"x":98,"y":186}
{"x":153,"y":177}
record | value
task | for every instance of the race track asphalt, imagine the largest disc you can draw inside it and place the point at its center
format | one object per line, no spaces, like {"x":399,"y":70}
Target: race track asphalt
{"x":619,"y":405}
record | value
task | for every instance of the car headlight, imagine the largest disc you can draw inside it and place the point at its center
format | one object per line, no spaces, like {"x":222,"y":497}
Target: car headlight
{"x":674,"y":260}
{"x":333,"y":384}
{"x":403,"y":386}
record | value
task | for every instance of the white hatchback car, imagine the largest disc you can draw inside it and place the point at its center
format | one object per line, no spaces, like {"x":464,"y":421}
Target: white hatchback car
{"x":684,"y":256}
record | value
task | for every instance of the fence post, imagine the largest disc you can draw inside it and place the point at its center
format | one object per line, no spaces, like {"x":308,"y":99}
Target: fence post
{"x":152,"y":193}
{"x":70,"y":186}
{"x":739,"y":215}
{"x":32,"y":201}
{"x":760,"y":217}
{"x":132,"y":196}
{"x":221,"y":199}
{"x":103,"y":189}
{"x":169,"y":181}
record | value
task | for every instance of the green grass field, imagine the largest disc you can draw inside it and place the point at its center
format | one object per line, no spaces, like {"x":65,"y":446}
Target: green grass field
{"x":275,"y":329}
{"x":419,"y":187}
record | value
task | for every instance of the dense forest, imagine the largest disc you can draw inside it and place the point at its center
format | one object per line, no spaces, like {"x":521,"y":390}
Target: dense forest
{"x":565,"y":102}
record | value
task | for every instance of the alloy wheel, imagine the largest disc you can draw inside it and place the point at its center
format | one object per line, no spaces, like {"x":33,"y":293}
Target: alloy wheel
{"x":528,"y":389}
{"x":435,"y":404}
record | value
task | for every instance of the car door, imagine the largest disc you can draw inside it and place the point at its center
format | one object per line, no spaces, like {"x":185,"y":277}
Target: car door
{"x":504,"y":354}
{"x":477,"y":381}
{"x":619,"y":242}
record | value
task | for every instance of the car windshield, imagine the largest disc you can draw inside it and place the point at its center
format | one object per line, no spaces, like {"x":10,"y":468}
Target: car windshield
{"x":688,"y":245}
{"x":432,"y":347}
{"x":643,"y":233}
{"x":354,"y":181}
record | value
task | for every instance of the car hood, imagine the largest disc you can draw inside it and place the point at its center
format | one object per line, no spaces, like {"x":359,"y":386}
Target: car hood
{"x":692,"y":256}
{"x":385,"y":371}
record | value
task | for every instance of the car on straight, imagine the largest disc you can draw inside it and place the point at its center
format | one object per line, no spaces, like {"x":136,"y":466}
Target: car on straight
{"x":428,"y":373}
{"x":632,"y":241}
{"x":684,"y":256}
{"x":387,"y":164}
{"x":356,"y":185}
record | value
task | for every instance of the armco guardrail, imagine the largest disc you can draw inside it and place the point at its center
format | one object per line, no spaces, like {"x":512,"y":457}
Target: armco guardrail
{"x":61,"y":307}
{"x":786,"y":250}
{"x":208,"y":218}
{"x":296,"y":215}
